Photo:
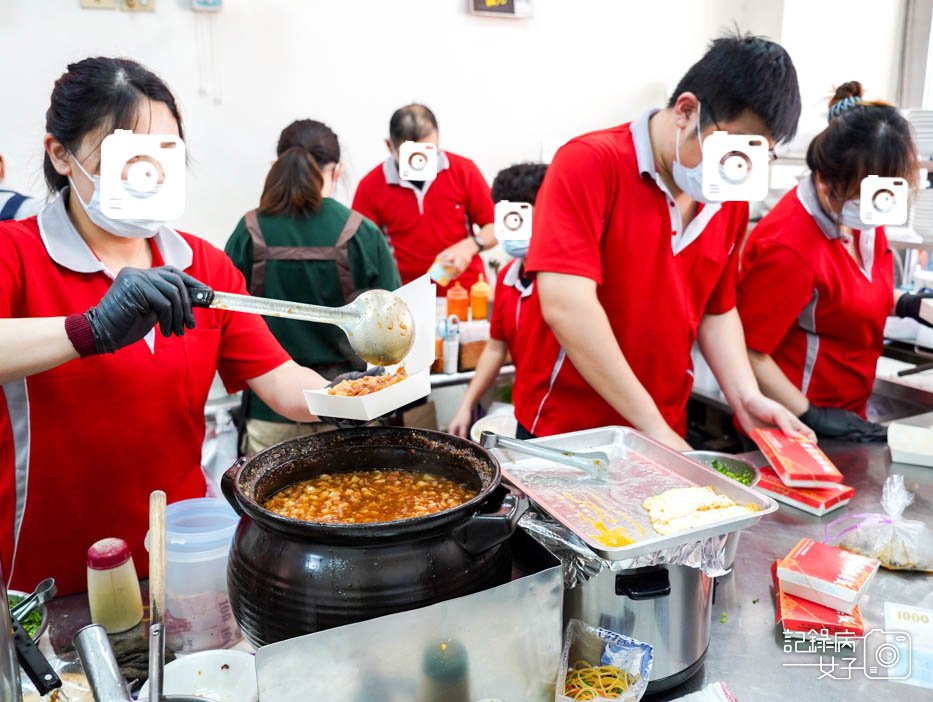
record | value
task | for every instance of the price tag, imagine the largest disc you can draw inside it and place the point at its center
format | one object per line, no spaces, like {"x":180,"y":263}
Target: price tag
{"x":915,"y":659}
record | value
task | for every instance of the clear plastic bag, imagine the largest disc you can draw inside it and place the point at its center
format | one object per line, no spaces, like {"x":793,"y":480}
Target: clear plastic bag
{"x":716,"y":692}
{"x":900,"y":544}
{"x":587,"y":652}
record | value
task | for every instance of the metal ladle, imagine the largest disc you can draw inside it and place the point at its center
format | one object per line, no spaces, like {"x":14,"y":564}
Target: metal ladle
{"x":378,"y":324}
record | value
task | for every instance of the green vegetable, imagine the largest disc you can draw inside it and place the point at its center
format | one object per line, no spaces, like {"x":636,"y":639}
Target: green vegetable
{"x":743,"y":477}
{"x":722,"y":619}
{"x":33,"y":620}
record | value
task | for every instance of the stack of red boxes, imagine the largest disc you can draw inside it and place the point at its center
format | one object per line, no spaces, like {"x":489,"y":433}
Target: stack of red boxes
{"x":800,"y":475}
{"x":818,"y":589}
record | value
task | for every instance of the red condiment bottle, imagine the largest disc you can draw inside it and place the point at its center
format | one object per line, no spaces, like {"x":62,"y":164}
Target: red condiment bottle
{"x":458,"y":302}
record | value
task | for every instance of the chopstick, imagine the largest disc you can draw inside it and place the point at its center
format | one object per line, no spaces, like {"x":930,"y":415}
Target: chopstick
{"x":916,"y":369}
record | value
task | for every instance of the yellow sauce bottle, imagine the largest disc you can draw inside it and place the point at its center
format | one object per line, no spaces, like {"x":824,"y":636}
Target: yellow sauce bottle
{"x":479,"y":298}
{"x":113,"y":586}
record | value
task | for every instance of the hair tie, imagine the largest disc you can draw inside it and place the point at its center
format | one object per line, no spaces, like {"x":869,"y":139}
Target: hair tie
{"x":843,"y":106}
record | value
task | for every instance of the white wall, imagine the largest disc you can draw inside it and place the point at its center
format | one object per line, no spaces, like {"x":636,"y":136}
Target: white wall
{"x":834,"y":41}
{"x":498,"y":86}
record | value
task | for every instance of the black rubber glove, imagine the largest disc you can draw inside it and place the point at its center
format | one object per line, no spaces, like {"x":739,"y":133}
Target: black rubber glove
{"x":340,"y":422}
{"x":137,"y":300}
{"x":908,"y":305}
{"x":835,"y":423}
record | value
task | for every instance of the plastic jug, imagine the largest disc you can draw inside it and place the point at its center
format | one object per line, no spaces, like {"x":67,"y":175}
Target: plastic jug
{"x":479,"y":298}
{"x":458,"y":302}
{"x":198,"y":534}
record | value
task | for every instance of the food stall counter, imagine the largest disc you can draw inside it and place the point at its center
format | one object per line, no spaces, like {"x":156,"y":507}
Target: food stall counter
{"x":747,"y":649}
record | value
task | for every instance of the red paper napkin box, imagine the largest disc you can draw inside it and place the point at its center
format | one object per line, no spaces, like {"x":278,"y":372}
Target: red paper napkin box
{"x":826,"y":575}
{"x":797,"y":461}
{"x":816,"y":501}
{"x":802,"y":618}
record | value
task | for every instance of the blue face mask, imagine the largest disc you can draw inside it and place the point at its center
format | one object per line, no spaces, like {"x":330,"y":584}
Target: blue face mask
{"x":689,"y":180}
{"x":517,"y":248}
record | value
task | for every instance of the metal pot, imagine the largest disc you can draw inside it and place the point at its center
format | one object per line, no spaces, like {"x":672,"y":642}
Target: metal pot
{"x":667,"y":606}
{"x":288,"y":577}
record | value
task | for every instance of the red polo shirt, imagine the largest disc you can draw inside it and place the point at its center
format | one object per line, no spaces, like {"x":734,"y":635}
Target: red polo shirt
{"x":808,"y":303}
{"x":420,"y":223}
{"x":508,"y":307}
{"x":82,"y":445}
{"x":603,"y":213}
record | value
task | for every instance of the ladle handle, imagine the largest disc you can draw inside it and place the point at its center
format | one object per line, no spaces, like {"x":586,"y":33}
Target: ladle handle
{"x":205,"y":297}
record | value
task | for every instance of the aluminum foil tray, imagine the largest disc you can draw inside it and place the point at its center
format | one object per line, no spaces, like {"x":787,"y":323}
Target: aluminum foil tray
{"x":608,"y":514}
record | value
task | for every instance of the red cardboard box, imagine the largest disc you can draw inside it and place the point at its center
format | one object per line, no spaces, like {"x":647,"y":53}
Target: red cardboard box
{"x":826,"y":575}
{"x":801,"y":618}
{"x":797,"y":461}
{"x":816,"y":501}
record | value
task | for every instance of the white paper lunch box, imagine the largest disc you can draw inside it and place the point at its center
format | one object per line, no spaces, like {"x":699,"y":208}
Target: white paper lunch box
{"x":419,"y":295}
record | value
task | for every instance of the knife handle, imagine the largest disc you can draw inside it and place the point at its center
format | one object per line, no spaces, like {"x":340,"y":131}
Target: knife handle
{"x":30,"y":658}
{"x":201,"y":297}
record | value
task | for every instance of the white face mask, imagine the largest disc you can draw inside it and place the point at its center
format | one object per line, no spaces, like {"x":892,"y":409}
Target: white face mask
{"x":127,"y":228}
{"x":517,"y":248}
{"x":849,"y":216}
{"x":690,"y":180}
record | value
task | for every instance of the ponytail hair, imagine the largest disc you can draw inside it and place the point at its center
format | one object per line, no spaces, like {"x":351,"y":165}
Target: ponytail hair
{"x":293,"y":186}
{"x":863,"y":138}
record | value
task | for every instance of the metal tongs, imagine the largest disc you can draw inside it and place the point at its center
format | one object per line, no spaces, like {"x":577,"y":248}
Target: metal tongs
{"x":378,"y":324}
{"x":594,"y":463}
{"x":44,"y":592}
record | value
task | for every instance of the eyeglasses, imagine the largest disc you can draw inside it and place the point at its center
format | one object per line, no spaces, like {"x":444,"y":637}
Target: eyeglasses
{"x":772,"y":156}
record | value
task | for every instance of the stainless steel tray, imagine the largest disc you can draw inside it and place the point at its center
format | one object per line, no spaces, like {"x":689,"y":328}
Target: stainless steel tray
{"x":603,"y":511}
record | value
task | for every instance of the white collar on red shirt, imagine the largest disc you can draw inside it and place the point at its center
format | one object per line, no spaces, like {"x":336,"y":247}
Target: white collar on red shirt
{"x":390,"y":171}
{"x":68,"y":249}
{"x":513,"y":278}
{"x":682,"y":238}
{"x":806,"y":193}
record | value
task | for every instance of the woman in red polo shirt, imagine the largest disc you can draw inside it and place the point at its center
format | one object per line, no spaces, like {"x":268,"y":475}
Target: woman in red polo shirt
{"x":518,"y":183}
{"x":816,"y":285}
{"x":98,"y":410}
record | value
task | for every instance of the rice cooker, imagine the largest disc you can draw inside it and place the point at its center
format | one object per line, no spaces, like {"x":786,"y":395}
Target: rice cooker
{"x":668,"y":606}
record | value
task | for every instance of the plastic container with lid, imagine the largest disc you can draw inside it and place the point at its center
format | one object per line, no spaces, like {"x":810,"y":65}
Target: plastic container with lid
{"x":198,"y":534}
{"x":113,"y":586}
{"x":458,"y":302}
{"x":479,"y":298}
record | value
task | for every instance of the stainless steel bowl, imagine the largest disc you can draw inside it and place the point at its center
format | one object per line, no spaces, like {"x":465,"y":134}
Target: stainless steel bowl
{"x":736,"y":465}
{"x":43,"y":610}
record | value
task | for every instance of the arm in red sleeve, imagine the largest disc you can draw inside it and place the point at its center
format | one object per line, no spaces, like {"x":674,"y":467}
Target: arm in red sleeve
{"x":570,"y":211}
{"x":479,"y":204}
{"x":723,"y":298}
{"x":774,"y":287}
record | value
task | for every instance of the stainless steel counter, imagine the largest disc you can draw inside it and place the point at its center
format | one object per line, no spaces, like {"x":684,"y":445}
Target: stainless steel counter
{"x":747,"y":650}
{"x":443,"y":380}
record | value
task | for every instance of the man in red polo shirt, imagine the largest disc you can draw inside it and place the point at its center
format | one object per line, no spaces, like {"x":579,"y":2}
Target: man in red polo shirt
{"x":428,"y":219}
{"x":633,"y":267}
